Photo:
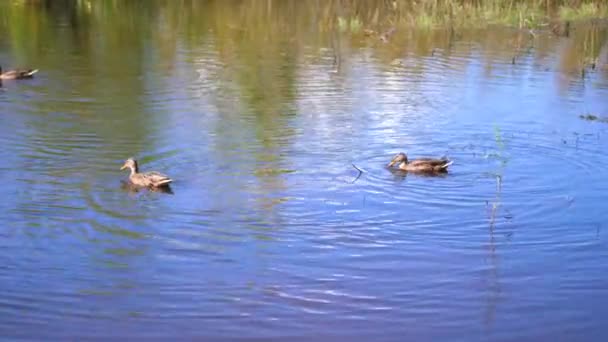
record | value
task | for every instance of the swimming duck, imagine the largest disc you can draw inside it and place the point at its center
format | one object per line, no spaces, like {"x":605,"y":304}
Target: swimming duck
{"x":561,"y":29}
{"x":150,"y":179}
{"x":17,"y":74}
{"x":422,"y":165}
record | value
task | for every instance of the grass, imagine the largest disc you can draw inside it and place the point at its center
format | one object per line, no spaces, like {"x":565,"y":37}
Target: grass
{"x":584,"y":11}
{"x":352,"y":25}
{"x":355,"y":15}
{"x":471,"y":13}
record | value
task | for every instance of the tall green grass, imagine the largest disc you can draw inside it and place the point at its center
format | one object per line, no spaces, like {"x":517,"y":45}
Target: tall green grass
{"x":476,"y":13}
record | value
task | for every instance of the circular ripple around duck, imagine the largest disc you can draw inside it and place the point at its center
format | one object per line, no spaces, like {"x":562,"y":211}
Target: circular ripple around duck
{"x":534,"y":173}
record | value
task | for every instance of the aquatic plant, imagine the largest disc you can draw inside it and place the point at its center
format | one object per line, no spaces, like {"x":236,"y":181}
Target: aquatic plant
{"x":496,"y":203}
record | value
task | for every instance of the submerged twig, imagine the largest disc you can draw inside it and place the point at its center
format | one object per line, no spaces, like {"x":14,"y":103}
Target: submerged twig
{"x":359,"y":175}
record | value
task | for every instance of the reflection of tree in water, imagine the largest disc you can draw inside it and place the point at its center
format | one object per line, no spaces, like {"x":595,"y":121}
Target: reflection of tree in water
{"x":88,"y":41}
{"x":261,"y":24}
{"x":266,"y":81}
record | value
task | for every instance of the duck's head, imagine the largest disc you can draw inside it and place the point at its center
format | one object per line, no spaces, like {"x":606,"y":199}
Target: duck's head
{"x":130,"y":164}
{"x":398,"y":159}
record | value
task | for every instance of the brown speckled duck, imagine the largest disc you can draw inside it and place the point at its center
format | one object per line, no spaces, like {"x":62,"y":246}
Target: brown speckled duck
{"x":151,"y":179}
{"x":17,"y":74}
{"x":422,"y":165}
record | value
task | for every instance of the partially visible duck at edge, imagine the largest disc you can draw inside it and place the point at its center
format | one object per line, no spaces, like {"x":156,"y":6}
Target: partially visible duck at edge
{"x":17,"y":74}
{"x":422,"y":165}
{"x":151,"y":179}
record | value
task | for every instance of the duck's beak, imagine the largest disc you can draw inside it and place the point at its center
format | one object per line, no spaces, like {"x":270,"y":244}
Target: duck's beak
{"x":392,"y":162}
{"x":123,"y":167}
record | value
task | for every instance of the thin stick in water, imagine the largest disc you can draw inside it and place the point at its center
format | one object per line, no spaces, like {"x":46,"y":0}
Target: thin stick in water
{"x":359,"y":175}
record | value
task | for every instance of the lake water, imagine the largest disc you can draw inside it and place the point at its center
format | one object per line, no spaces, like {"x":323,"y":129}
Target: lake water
{"x":259,"y":115}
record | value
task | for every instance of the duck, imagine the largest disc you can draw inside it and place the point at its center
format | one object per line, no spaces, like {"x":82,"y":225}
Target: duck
{"x":150,"y":179}
{"x":17,"y":74}
{"x":422,"y":165}
{"x":561,"y":29}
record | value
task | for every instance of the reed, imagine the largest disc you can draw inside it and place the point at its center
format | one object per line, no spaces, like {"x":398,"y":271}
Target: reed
{"x":584,"y":11}
{"x":474,"y":13}
{"x":354,"y":15}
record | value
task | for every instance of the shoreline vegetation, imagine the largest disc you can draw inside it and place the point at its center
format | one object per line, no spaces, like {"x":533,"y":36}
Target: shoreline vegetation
{"x":429,"y":14}
{"x":410,"y":13}
{"x":242,"y":31}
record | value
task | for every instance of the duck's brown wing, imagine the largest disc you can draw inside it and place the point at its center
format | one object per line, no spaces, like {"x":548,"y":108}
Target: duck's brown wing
{"x":156,"y":178}
{"x":428,"y":161}
{"x":430,"y":164}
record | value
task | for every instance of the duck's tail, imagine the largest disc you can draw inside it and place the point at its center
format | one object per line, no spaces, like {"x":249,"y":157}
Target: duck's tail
{"x":163,"y":182}
{"x":445,"y":166}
